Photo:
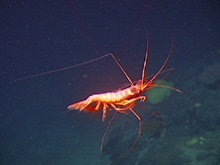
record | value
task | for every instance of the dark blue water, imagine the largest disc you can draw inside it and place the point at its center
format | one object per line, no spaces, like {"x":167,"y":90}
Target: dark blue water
{"x":40,"y":36}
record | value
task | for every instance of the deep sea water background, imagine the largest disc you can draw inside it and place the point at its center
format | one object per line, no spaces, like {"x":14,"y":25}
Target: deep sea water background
{"x":39,"y":36}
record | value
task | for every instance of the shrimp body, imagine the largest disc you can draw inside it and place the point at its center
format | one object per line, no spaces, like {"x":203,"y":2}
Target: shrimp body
{"x":120,"y":100}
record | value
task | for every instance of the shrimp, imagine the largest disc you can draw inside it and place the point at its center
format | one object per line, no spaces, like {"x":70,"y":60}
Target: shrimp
{"x":122,"y":100}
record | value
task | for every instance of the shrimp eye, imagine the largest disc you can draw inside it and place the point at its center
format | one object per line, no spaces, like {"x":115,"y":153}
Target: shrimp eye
{"x":135,"y":90}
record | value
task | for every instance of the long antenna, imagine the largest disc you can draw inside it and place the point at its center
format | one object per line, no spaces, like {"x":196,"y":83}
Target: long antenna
{"x":61,"y":69}
{"x":83,"y":27}
{"x":164,"y":64}
{"x":146,"y":60}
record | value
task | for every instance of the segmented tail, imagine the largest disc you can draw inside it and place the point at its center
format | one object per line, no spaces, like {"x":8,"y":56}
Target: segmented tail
{"x":83,"y":105}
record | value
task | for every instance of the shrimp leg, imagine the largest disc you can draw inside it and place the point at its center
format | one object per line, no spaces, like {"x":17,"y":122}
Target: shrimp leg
{"x":106,"y":131}
{"x":139,"y":134}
